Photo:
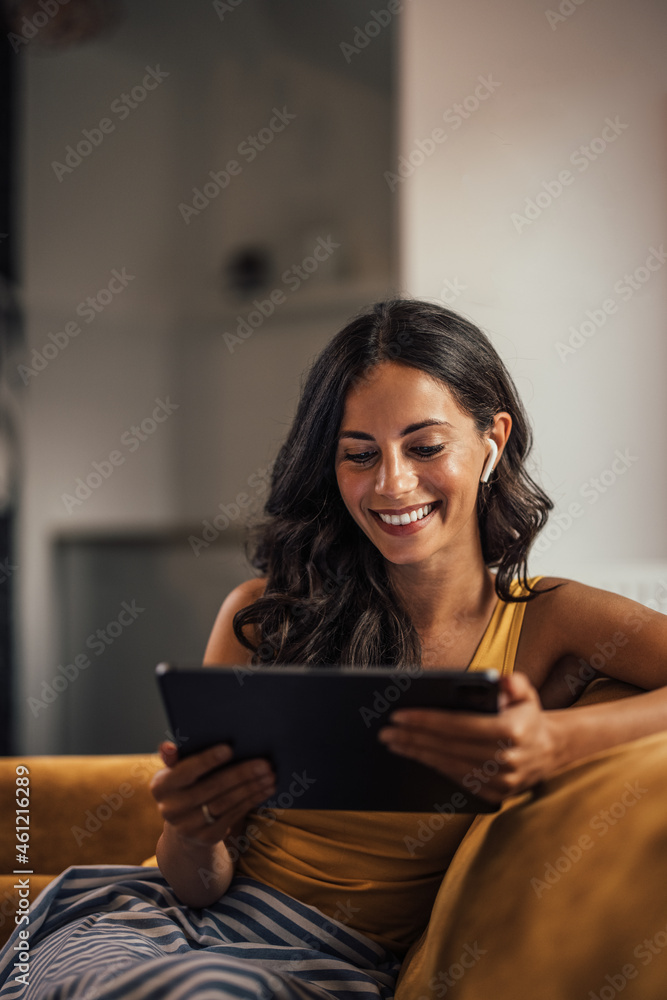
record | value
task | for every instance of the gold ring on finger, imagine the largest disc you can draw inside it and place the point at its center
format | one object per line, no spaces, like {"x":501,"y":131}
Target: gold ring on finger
{"x":208,"y":816}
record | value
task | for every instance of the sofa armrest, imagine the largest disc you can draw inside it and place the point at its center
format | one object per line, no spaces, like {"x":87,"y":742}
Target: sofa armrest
{"x":83,"y":810}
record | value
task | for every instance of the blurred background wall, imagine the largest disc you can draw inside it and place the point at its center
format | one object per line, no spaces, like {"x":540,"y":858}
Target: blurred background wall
{"x":179,"y":252}
{"x":540,"y":210}
{"x":243,"y":177}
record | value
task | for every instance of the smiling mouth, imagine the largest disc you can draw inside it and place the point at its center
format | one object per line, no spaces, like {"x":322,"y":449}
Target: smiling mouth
{"x":409,"y":516}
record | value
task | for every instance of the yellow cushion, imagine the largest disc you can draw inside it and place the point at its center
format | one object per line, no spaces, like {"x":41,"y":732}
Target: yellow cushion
{"x":561,"y":894}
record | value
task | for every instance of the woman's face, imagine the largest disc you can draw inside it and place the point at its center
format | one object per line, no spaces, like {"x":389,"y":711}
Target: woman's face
{"x":407,"y":450}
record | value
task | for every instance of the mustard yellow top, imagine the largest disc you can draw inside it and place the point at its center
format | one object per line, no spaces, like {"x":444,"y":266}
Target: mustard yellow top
{"x":379,"y":872}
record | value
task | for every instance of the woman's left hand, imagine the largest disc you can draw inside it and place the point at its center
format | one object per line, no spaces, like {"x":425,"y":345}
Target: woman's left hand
{"x":493,"y":756}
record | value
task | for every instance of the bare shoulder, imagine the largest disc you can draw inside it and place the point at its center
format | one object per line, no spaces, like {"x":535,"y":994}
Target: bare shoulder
{"x":563,"y":601}
{"x":223,"y":647}
{"x":573,"y":620}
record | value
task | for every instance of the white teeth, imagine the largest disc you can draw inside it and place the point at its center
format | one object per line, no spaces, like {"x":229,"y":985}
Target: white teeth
{"x":414,"y":515}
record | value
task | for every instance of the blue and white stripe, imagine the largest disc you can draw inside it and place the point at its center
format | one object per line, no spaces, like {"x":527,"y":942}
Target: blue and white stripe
{"x":112,"y":932}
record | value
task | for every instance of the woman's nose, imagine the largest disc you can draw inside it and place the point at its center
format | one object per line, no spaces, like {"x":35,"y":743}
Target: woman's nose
{"x":394,"y":477}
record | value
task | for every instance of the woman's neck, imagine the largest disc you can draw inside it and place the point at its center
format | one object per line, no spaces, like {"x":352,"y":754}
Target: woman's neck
{"x":436,"y":595}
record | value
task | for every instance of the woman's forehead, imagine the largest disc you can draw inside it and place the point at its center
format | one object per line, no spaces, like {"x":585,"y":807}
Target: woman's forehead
{"x":393,"y":394}
{"x":390,"y":383}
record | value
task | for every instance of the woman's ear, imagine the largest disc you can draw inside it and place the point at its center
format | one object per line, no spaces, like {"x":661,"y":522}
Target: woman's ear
{"x":495,"y":441}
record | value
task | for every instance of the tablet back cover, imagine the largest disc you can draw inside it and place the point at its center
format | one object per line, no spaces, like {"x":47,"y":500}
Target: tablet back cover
{"x":318,"y":727}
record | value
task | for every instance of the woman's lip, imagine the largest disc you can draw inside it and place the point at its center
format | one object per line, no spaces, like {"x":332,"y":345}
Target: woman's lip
{"x":405,"y":510}
{"x":405,"y":529}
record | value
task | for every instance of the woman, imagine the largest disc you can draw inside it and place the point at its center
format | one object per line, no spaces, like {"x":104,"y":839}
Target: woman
{"x":401,"y":485}
{"x":407,"y":414}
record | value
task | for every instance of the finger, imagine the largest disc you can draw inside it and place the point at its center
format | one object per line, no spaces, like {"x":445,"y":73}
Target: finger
{"x":473,"y":751}
{"x":226,"y":811}
{"x":471,"y":725}
{"x":471,"y":778}
{"x":244,"y":795}
{"x":169,"y":753}
{"x":402,"y":739}
{"x":230,"y":780}
{"x":211,"y":833}
{"x":252,"y":801}
{"x":517,"y":688}
{"x":397,"y":736}
{"x":226,"y":788}
{"x":486,"y":779}
{"x":193,"y":768}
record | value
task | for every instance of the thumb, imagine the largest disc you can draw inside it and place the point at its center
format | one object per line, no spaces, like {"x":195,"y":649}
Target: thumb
{"x":514,"y":689}
{"x":169,"y":753}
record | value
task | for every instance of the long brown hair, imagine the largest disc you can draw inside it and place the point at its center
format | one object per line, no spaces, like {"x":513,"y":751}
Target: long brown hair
{"x":328,"y":598}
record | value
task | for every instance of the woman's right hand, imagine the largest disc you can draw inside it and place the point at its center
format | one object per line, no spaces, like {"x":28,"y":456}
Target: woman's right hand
{"x":183,"y":787}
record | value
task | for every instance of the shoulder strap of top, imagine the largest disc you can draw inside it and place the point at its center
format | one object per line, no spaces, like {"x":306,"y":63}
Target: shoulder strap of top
{"x":498,"y":646}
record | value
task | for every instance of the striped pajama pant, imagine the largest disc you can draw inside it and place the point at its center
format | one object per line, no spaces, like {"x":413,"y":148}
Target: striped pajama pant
{"x":113,"y":932}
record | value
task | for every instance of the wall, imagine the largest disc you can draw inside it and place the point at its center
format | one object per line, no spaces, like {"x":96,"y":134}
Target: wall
{"x":569,"y":288}
{"x":130,"y":205}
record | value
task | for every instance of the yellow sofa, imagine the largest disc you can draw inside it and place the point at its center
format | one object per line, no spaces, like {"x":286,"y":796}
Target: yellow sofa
{"x":83,"y":810}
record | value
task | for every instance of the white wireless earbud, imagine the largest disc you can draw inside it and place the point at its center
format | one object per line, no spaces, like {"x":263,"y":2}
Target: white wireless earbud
{"x":488,"y":468}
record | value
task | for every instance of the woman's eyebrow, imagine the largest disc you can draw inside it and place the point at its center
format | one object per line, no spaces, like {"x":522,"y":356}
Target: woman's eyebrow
{"x":362,"y":436}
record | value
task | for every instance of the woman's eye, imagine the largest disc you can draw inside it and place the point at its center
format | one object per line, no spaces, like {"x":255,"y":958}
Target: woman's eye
{"x":422,"y":451}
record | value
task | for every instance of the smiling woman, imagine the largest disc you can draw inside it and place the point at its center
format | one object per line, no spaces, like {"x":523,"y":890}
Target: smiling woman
{"x":400,"y":488}
{"x":401,"y":410}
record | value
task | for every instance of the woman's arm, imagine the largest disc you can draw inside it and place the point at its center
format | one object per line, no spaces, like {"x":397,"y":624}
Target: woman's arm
{"x":192,"y":853}
{"x":591,"y":728}
{"x":578,"y":632}
{"x":590,"y":632}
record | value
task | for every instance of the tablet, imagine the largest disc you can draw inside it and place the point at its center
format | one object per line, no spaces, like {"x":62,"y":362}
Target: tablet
{"x":318,"y":726}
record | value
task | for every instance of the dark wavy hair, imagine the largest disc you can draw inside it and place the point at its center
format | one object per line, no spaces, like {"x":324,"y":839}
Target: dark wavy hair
{"x":328,"y":597}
